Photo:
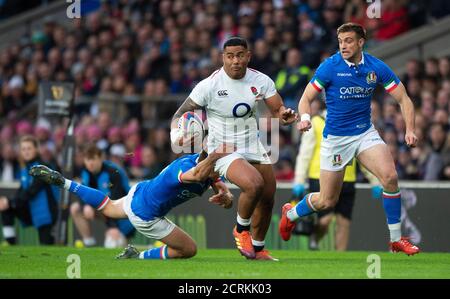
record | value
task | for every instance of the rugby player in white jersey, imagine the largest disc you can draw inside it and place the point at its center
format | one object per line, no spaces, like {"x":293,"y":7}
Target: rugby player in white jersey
{"x":229,"y":96}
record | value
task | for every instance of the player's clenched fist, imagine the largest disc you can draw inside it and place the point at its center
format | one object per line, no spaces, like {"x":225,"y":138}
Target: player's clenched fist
{"x":411,"y":139}
{"x":305,"y":123}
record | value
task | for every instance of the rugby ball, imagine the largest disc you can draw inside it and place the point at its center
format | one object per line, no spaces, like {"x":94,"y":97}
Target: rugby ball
{"x":191,"y":125}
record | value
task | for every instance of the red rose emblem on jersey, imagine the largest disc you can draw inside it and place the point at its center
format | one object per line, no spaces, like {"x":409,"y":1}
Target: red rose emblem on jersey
{"x":254,"y":90}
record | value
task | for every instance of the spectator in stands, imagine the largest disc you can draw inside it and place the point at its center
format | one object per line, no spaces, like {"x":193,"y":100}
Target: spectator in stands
{"x":35,"y":203}
{"x":440,"y":152}
{"x":150,"y":165}
{"x":292,"y":79}
{"x":145,"y":48}
{"x":262,"y":60}
{"x":9,"y":165}
{"x":444,"y":68}
{"x":110,"y":179}
{"x":413,"y":71}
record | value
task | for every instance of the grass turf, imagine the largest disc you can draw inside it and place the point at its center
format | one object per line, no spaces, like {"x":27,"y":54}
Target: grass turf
{"x":51,"y":262}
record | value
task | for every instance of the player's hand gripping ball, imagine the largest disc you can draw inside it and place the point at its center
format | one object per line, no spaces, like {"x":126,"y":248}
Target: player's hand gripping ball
{"x":191,"y":127}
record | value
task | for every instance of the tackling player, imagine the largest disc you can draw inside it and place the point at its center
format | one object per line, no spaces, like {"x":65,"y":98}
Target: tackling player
{"x":229,"y":96}
{"x":349,"y":79}
{"x":147,"y":202}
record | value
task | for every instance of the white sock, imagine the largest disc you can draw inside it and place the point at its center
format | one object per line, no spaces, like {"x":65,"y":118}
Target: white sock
{"x":395,"y":231}
{"x":9,"y":232}
{"x":258,"y":243}
{"x":141,"y":255}
{"x":67,"y":184}
{"x":292,"y":214}
{"x":89,"y":241}
{"x":242,"y":221}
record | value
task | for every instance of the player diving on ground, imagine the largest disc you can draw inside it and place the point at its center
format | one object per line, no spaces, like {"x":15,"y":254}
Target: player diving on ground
{"x":148,"y":202}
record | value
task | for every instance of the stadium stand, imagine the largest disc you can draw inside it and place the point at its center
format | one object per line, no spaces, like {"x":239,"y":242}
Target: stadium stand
{"x":135,"y":61}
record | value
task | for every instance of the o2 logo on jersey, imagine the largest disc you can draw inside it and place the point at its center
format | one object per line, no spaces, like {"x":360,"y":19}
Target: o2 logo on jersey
{"x":241,"y":110}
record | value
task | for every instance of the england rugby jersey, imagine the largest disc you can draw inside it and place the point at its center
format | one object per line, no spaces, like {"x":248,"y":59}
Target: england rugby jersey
{"x":230,"y":107}
{"x":348,"y":91}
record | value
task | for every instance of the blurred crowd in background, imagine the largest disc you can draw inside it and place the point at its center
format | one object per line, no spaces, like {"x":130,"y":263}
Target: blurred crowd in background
{"x":161,"y":48}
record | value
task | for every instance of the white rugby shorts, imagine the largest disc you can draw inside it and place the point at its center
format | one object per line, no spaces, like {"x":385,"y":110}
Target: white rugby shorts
{"x":336,"y":152}
{"x":260,"y":157}
{"x":156,"y":228}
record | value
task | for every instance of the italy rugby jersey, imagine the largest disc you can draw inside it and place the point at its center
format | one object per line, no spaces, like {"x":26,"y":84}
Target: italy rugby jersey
{"x":348,"y":91}
{"x":156,"y":197}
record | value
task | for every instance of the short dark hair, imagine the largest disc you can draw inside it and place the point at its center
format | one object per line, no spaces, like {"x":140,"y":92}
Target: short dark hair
{"x":236,"y":41}
{"x":91,"y":151}
{"x":352,"y":27}
{"x":31,"y":139}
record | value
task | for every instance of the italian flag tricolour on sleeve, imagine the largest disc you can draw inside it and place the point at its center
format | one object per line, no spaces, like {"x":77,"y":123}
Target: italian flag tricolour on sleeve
{"x":318,"y":85}
{"x":390,"y":86}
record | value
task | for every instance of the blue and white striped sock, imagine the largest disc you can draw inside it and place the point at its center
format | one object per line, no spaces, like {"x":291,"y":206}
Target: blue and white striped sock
{"x":158,"y":253}
{"x":392,"y":204}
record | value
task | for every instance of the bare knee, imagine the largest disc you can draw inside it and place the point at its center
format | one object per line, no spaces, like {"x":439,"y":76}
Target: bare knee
{"x":75,"y":209}
{"x":254,"y":187}
{"x":325,"y":203}
{"x":88,"y":212}
{"x":390,"y":181}
{"x":189,"y":250}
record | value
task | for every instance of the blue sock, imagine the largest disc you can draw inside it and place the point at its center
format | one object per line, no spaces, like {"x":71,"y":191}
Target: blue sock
{"x":392,"y":205}
{"x":158,"y":253}
{"x":91,"y":196}
{"x":303,"y":208}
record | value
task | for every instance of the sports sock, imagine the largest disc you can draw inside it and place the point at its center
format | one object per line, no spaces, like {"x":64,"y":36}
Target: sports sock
{"x":158,"y":253}
{"x":392,"y":205}
{"x":9,"y":233}
{"x":89,"y":241}
{"x":303,"y":208}
{"x":242,"y":224}
{"x":258,"y":245}
{"x":91,"y":196}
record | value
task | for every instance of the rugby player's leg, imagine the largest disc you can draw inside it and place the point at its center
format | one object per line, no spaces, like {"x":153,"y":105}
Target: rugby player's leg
{"x":262,"y":214}
{"x":91,"y":196}
{"x":178,"y":244}
{"x":378,"y":160}
{"x":114,"y":209}
{"x":330,"y":188}
{"x":249,"y":180}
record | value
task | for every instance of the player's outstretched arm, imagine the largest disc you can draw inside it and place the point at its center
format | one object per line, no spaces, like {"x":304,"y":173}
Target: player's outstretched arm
{"x":175,"y":132}
{"x":276,"y":106}
{"x":304,"y":107}
{"x":407,"y":107}
{"x":204,"y":169}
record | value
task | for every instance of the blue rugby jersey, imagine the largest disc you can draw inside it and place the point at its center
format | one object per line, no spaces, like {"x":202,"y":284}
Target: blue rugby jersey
{"x":348,"y":91}
{"x":156,"y":197}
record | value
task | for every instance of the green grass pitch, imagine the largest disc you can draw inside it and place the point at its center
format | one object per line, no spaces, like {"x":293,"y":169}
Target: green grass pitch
{"x":51,"y":262}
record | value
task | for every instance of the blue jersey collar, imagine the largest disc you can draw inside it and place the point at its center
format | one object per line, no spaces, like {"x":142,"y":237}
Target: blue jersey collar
{"x":350,"y":64}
